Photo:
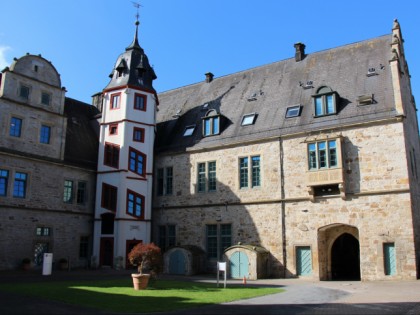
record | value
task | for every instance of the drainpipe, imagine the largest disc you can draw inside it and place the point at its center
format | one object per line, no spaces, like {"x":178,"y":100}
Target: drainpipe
{"x":283,"y":209}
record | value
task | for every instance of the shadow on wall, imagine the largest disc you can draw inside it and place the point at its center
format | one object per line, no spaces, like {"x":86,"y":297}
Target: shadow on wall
{"x":351,"y":166}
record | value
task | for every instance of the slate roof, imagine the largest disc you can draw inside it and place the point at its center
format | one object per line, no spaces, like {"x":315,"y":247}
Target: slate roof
{"x":82,"y":134}
{"x":135,"y":64}
{"x":278,"y":86}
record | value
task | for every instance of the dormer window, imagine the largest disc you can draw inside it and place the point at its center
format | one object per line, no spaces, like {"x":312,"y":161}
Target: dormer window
{"x":211,"y":123}
{"x":293,"y":111}
{"x":325,"y":101}
{"x":248,"y":119}
{"x":121,"y":68}
{"x":189,"y":130}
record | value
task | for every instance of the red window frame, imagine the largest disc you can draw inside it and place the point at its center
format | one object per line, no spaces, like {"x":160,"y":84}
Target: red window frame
{"x":109,"y":197}
{"x":111,"y":155}
{"x":135,"y":129}
{"x":142,"y":96}
{"x":134,"y":201}
{"x":113,"y":97}
{"x":136,"y":168}
{"x":111,"y":128}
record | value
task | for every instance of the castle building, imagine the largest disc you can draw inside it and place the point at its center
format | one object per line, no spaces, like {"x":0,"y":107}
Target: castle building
{"x":312,"y":160}
{"x":306,"y":167}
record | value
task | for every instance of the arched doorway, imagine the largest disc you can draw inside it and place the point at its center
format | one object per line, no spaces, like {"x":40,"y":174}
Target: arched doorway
{"x":338,"y":252}
{"x":345,"y":258}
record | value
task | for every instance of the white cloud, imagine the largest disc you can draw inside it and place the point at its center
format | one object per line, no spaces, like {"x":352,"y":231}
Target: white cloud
{"x":3,"y":62}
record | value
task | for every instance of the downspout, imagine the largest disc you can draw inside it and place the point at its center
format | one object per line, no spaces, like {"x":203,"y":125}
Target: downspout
{"x":283,"y":209}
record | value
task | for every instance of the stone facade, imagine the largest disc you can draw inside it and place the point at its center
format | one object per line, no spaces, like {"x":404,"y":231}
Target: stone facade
{"x":37,"y":216}
{"x":357,"y":219}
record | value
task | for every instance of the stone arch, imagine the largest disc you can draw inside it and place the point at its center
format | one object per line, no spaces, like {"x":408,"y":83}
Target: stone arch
{"x":327,"y":237}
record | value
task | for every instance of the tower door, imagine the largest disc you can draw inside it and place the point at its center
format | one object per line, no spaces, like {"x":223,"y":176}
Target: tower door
{"x":177,"y":263}
{"x":106,"y":251}
{"x":239,"y":265}
{"x":303,"y":261}
{"x":345,"y":258}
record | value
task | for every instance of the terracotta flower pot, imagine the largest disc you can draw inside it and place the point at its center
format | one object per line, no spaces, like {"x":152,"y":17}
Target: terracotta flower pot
{"x":140,"y":281}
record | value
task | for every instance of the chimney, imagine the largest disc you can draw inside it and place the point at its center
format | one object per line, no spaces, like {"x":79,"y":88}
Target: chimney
{"x":209,"y":77}
{"x":300,"y":51}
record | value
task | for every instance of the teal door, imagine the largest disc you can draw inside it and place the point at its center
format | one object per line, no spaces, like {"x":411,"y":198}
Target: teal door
{"x":390,"y":259}
{"x":303,"y":261}
{"x":239,"y":264}
{"x":177,"y":263}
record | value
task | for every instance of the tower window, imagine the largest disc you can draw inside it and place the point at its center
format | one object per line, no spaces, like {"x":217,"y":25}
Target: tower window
{"x":112,"y":155}
{"x":135,"y":204}
{"x":115,"y":101}
{"x":140,"y":101}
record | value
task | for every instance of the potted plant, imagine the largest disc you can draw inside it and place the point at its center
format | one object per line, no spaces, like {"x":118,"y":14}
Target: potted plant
{"x":149,"y":262}
{"x":26,"y":264}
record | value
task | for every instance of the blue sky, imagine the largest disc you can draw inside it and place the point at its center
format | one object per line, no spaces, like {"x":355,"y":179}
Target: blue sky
{"x":184,"y":39}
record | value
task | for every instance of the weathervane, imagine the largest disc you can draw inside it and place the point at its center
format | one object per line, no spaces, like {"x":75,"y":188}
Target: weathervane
{"x":137,"y":5}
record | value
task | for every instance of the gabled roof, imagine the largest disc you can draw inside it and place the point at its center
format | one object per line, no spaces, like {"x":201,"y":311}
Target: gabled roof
{"x":82,"y":134}
{"x":270,"y":89}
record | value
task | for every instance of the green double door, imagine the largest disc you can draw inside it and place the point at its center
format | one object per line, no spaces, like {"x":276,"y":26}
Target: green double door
{"x":239,"y":265}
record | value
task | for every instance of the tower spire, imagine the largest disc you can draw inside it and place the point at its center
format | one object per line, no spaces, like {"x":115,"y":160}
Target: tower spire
{"x":135,"y":43}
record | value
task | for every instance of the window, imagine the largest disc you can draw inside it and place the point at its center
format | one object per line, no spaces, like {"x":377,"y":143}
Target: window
{"x":322,"y":154}
{"x":83,"y":247}
{"x":137,"y":162}
{"x":206,"y":181}
{"x":167,"y":236}
{"x":15,"y":127}
{"x":19,"y":186}
{"x":248,"y":119}
{"x":256,"y":178}
{"x":24,"y":92}
{"x":113,"y":129}
{"x":325,"y":102}
{"x":4,"y":178}
{"x":189,"y":130}
{"x":250,"y":171}
{"x":218,"y":238}
{"x":109,"y":197}
{"x":135,"y":204}
{"x":112,"y":155}
{"x":165,"y":181}
{"x":293,"y":111}
{"x":211,"y":176}
{"x":43,"y":231}
{"x":140,"y":101}
{"x":201,"y":179}
{"x":211,"y":123}
{"x":45,"y":98}
{"x":45,"y":133}
{"x":81,"y":193}
{"x":138,"y":134}
{"x":115,"y":101}
{"x":68,"y":191}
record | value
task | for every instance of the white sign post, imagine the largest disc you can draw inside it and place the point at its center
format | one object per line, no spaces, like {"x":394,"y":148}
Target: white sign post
{"x":221,"y":266}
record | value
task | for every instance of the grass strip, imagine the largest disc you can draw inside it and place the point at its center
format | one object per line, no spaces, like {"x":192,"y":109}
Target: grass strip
{"x":120,"y":297}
